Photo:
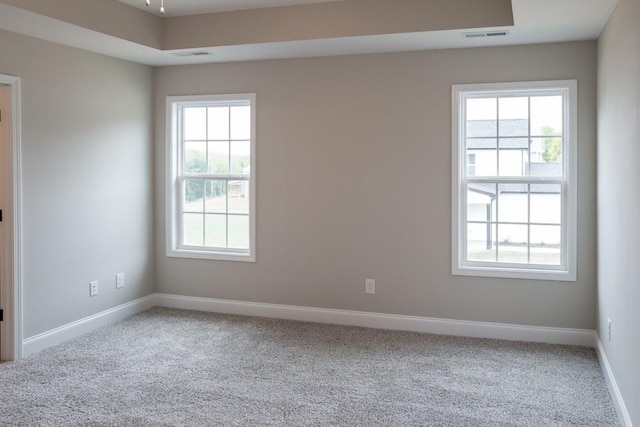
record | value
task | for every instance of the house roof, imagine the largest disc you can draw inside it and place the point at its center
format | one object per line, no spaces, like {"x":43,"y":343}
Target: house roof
{"x":516,"y":128}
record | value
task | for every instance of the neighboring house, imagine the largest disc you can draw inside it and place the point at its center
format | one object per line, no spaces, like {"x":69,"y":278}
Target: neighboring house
{"x":240,"y":188}
{"x":517,"y":155}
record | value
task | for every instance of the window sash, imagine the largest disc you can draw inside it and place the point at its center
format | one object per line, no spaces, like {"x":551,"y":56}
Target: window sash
{"x":464,"y":250}
{"x":215,"y":176}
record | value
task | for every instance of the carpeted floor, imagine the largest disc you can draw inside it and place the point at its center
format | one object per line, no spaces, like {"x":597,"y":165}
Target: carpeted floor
{"x":181,"y":368}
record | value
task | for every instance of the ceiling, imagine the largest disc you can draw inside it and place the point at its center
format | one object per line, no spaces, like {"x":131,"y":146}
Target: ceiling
{"x":142,"y":37}
{"x":195,"y":7}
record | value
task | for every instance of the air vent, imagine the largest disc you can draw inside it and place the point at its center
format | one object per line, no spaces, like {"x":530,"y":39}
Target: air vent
{"x":483,"y":34}
{"x":474,"y":35}
{"x":186,"y":54}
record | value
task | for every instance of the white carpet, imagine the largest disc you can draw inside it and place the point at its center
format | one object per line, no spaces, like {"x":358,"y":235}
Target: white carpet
{"x":169,"y":367}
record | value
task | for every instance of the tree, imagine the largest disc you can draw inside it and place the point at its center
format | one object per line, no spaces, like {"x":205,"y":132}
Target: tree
{"x":552,"y":145}
{"x":197,"y":163}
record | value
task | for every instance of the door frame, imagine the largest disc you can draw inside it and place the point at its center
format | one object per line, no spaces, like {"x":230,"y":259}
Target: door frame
{"x":11,"y":268}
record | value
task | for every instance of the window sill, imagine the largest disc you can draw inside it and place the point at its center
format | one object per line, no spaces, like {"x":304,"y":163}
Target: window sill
{"x":515,"y":273}
{"x":211,"y":255}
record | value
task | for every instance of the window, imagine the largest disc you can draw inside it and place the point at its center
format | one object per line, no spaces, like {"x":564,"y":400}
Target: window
{"x":210,"y":177}
{"x":514,"y":180}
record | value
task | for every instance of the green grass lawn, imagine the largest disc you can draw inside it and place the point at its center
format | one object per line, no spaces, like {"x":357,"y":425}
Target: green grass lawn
{"x":207,"y":224}
{"x":547,"y":256}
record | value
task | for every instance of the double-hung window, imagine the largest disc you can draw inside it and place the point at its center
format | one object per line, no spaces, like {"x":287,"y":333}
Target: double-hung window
{"x":514,"y":180}
{"x":211,"y":177}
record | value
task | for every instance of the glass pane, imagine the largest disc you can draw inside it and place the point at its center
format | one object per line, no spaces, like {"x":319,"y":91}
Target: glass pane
{"x":481,"y":242}
{"x":216,"y":196}
{"x":239,"y":197}
{"x":470,"y":166}
{"x":545,"y":244}
{"x":239,"y":231}
{"x":241,"y":122}
{"x":195,"y":160}
{"x":546,"y":115}
{"x":512,"y":243}
{"x":546,"y":157}
{"x":513,"y":203}
{"x":215,"y":231}
{"x":480,"y":202}
{"x":545,"y":235}
{"x":513,"y":156}
{"x":240,"y":157}
{"x":514,"y":116}
{"x":546,"y":204}
{"x":218,"y":157}
{"x":193,"y":193}
{"x":547,"y":256}
{"x":482,"y":116}
{"x":218,"y":121}
{"x":485,"y":156}
{"x":195,"y":123}
{"x":193,"y":232}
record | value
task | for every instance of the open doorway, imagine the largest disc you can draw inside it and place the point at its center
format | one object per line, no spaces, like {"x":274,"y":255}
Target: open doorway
{"x":10,"y":235}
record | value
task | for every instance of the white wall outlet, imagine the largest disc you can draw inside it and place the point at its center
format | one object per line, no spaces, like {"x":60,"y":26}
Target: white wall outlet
{"x":93,"y":288}
{"x":609,"y":329}
{"x":119,"y":280}
{"x":370,"y":286}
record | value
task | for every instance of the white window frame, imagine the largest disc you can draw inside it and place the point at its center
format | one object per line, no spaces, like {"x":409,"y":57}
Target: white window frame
{"x":460,"y":266}
{"x":174,"y":105}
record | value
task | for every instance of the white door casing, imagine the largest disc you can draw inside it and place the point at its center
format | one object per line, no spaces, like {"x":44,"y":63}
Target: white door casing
{"x":10,"y":228}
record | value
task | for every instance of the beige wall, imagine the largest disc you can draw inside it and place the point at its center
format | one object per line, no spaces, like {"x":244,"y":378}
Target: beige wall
{"x":354,"y":158}
{"x":108,"y":17}
{"x":87,"y":179}
{"x":273,"y":24}
{"x":619,"y":198}
{"x":334,"y":19}
{"x":354,"y":182}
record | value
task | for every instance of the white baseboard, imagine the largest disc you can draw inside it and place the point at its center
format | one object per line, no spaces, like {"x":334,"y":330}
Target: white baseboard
{"x":616,"y":396}
{"x":464,"y":328}
{"x":72,"y":330}
{"x":581,"y":337}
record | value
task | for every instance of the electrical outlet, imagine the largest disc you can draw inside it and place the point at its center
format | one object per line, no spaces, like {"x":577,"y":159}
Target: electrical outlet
{"x":119,"y":280}
{"x":93,"y":288}
{"x":609,"y":329}
{"x":370,"y":286}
